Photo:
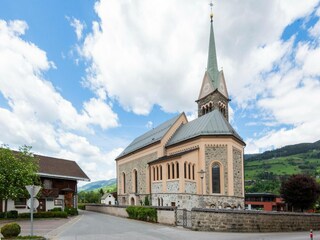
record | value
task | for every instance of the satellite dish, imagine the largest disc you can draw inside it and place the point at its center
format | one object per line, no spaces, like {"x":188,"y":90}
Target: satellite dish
{"x":35,"y":203}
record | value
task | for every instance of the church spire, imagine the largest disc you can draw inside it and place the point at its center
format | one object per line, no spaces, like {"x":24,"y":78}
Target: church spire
{"x":213,"y":93}
{"x":212,"y":67}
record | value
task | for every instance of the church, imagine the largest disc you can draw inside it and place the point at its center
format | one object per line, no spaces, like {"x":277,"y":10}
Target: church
{"x":196,"y":164}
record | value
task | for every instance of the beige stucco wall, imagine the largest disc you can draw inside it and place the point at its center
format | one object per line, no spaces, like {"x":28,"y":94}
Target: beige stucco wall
{"x":202,"y":153}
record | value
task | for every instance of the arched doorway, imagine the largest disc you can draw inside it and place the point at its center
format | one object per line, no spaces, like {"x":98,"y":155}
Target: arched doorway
{"x":132,"y":201}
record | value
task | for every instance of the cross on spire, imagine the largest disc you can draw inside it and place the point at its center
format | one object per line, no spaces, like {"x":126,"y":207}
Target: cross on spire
{"x":211,"y":14}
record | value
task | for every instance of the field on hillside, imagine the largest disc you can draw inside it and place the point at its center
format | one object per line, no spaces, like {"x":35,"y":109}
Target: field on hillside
{"x":267,"y":174}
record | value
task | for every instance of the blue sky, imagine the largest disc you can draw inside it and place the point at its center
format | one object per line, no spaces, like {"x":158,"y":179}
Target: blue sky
{"x":81,"y":79}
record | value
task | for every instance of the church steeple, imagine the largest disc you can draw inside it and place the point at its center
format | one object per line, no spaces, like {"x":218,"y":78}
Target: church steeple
{"x":213,"y":93}
{"x":212,"y":65}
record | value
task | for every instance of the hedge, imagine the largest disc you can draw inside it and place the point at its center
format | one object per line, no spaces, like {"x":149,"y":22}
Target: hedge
{"x":45,"y":215}
{"x":142,"y":213}
{"x":81,"y":206}
{"x":71,"y":211}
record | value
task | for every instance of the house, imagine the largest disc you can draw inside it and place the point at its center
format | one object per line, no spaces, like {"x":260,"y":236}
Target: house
{"x":264,"y":201}
{"x":109,"y":198}
{"x":59,"y":179}
{"x":185,"y":163}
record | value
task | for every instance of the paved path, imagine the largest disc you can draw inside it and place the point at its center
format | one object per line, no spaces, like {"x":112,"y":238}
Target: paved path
{"x":41,"y":227}
{"x":90,"y":225}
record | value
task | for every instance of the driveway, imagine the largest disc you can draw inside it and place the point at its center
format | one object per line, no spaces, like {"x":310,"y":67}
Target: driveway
{"x":91,"y":225}
{"x":41,"y":227}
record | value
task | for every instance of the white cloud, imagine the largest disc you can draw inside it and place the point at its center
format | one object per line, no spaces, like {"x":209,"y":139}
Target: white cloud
{"x":77,"y":25}
{"x":140,"y":56}
{"x":149,"y":125}
{"x":37,"y":114}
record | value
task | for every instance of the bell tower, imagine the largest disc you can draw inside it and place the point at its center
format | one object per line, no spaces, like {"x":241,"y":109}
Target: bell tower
{"x":213,"y":93}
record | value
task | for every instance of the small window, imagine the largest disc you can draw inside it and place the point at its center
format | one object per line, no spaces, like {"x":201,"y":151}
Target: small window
{"x":177,"y":170}
{"x":185,"y":170}
{"x":47,"y":184}
{"x":193,"y":172}
{"x":58,"y":202}
{"x":160,"y":172}
{"x":172,"y":170}
{"x":22,"y":202}
{"x":124,"y":182}
{"x":168,"y":171}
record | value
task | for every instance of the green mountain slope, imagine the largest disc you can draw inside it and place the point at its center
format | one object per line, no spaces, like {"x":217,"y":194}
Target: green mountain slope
{"x":107,"y":185}
{"x":264,"y":172}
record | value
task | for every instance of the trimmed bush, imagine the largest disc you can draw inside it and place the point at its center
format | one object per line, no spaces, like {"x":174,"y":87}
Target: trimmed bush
{"x":45,"y":215}
{"x":71,"y":211}
{"x":142,"y":213}
{"x":2,"y":214}
{"x":82,"y":206}
{"x":56,"y":209}
{"x":12,"y":214}
{"x":10,"y":230}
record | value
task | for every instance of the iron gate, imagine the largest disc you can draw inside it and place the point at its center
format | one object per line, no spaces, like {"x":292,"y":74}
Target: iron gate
{"x":183,"y":218}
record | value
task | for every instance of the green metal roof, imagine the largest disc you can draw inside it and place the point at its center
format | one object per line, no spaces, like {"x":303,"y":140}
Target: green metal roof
{"x":210,"y":124}
{"x":212,"y":67}
{"x":149,"y":137}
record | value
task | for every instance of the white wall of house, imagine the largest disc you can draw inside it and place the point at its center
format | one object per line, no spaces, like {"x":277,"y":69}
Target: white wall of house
{"x":11,"y":206}
{"x":109,"y":200}
{"x":50,"y":204}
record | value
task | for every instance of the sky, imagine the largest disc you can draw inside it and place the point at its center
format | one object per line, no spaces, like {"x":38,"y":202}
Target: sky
{"x":80,"y":80}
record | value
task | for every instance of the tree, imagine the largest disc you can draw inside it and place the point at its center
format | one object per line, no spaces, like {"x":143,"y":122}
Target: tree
{"x":301,"y":191}
{"x":101,"y":192}
{"x":17,"y":170}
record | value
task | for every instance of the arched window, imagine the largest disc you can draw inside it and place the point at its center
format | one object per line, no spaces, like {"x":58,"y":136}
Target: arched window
{"x":172,"y":164}
{"x":157,"y":173}
{"x":177,"y":167}
{"x":135,"y":180}
{"x":154,"y":173}
{"x":160,"y":172}
{"x":185,"y":170}
{"x":189,"y":171}
{"x":210,"y":107}
{"x":168,"y":171}
{"x":203,"y":111}
{"x":193,"y":172}
{"x":216,"y":178}
{"x":124,"y":182}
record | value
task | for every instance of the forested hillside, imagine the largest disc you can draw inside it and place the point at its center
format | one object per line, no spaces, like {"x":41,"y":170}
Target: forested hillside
{"x":264,"y":172}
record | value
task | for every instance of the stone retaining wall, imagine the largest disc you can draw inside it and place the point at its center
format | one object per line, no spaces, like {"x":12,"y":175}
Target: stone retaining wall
{"x":166,"y":215}
{"x":252,"y":221}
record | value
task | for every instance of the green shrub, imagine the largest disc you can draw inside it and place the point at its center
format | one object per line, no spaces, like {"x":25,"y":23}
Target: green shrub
{"x":10,"y":230}
{"x":146,"y":201}
{"x":71,"y":211}
{"x":56,"y":209}
{"x":82,"y":206}
{"x":31,"y":237}
{"x":142,"y":213}
{"x":45,"y":215}
{"x":12,"y":214}
{"x":2,"y":214}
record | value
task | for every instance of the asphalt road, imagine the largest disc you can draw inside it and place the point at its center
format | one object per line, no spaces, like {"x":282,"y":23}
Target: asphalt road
{"x":90,"y":225}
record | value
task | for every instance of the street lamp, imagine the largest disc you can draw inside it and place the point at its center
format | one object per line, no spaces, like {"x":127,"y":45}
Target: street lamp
{"x":202,"y":172}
